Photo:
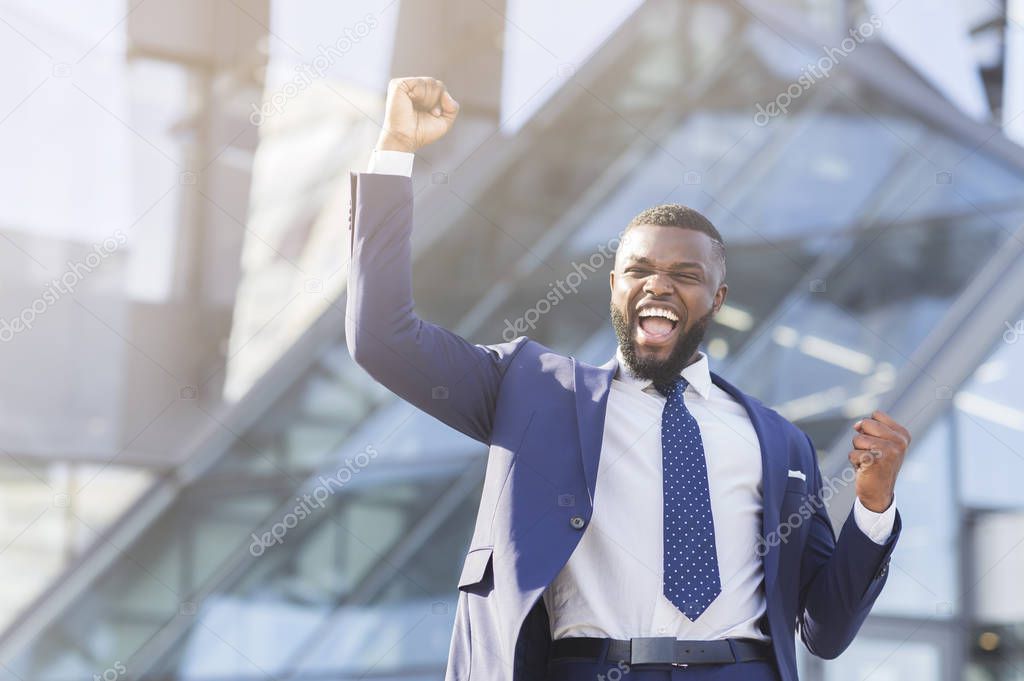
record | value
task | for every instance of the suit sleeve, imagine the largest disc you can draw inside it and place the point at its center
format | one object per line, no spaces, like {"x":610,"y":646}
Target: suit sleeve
{"x":430,"y":367}
{"x":839,"y":579}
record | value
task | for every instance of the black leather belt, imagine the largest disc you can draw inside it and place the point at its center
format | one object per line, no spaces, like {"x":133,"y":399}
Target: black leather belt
{"x":661,"y":650}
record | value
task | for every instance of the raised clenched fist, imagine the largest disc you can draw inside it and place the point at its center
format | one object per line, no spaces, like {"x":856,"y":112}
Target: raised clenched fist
{"x":418,"y":111}
{"x":878,"y":450}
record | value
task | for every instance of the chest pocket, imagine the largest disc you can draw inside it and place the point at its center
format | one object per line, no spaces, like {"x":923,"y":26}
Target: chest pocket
{"x":478,"y":571}
{"x":797,"y":510}
{"x":796,"y":485}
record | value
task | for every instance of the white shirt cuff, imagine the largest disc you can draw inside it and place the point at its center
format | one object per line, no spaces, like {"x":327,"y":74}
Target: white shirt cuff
{"x":385,"y":162}
{"x":877,"y":526}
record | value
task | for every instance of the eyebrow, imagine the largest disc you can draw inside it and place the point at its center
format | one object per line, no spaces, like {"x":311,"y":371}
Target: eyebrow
{"x":684,"y":265}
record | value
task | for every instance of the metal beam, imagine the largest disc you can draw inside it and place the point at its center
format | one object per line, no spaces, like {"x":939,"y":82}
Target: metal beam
{"x":877,"y":67}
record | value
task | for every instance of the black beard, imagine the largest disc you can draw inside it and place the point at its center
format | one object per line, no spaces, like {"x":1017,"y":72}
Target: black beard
{"x":664,"y":371}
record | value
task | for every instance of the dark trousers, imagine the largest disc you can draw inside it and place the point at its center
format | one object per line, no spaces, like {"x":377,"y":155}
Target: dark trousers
{"x":577,"y":670}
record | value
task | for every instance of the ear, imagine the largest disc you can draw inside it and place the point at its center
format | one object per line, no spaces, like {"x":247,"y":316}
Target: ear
{"x":611,"y":279}
{"x":720,"y":295}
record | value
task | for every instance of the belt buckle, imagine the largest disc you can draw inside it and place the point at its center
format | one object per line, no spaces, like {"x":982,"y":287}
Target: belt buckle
{"x":653,"y":650}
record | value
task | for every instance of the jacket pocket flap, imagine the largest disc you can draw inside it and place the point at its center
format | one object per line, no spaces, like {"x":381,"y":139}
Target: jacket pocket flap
{"x":474,"y":570}
{"x":796,"y":485}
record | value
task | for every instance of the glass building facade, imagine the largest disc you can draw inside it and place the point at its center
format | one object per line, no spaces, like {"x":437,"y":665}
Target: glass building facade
{"x":874,"y":261}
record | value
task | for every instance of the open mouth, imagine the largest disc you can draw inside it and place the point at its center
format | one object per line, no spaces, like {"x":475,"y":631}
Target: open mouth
{"x":656,"y":325}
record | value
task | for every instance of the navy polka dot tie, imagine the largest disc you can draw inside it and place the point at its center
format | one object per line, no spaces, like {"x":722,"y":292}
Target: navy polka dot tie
{"x":690,"y":559}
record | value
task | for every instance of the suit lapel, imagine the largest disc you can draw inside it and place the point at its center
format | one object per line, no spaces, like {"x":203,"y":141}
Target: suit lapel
{"x":591,"y":389}
{"x":774,"y":469}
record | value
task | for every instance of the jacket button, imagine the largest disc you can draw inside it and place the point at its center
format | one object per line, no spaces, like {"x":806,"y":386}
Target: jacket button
{"x":577,"y":522}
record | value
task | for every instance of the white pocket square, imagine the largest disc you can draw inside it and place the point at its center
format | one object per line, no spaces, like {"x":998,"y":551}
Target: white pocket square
{"x":798,"y":474}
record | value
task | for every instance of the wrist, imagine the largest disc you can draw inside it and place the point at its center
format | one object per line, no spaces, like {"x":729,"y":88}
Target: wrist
{"x":876,"y":504}
{"x":392,"y":141}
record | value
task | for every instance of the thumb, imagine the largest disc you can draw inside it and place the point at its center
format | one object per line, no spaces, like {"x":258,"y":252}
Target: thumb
{"x":449,"y":106}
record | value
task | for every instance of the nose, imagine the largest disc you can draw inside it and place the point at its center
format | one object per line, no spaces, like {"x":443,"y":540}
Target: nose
{"x":657,"y":284}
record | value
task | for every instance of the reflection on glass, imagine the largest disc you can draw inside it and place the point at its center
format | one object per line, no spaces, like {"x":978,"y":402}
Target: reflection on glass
{"x":149,"y":597}
{"x":996,"y":562}
{"x":822,"y":180}
{"x":989,"y":412}
{"x":945,"y":177}
{"x":352,"y":595}
{"x":693,"y":166}
{"x":835,"y":348}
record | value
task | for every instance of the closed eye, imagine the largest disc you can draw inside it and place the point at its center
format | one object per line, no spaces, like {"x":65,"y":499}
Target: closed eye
{"x":692,"y":276}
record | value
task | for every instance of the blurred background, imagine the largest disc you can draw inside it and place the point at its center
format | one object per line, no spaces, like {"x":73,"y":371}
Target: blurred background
{"x":196,"y":481}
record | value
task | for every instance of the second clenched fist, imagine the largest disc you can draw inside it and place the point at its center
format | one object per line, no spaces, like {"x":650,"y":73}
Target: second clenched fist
{"x":418,"y":111}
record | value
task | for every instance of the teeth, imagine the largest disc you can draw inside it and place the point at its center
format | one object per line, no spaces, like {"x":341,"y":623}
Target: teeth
{"x":659,"y":312}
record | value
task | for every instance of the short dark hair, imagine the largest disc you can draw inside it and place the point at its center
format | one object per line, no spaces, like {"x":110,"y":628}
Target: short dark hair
{"x":678,"y":215}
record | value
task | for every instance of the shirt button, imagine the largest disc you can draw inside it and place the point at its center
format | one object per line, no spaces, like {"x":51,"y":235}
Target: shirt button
{"x":577,"y":522}
{"x":662,"y":630}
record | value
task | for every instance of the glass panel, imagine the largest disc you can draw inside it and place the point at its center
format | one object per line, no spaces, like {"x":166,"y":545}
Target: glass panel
{"x":52,"y":513}
{"x":996,"y":641}
{"x":836,"y":347}
{"x":408,"y":625}
{"x":334,"y":601}
{"x":692,"y":165}
{"x":148,"y":590}
{"x":996,"y":564}
{"x":947,"y":177}
{"x":308,"y":559}
{"x":831,"y":167}
{"x":989,"y":410}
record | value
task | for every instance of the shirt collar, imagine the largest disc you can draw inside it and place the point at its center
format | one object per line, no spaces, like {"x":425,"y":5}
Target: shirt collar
{"x":697,"y":374}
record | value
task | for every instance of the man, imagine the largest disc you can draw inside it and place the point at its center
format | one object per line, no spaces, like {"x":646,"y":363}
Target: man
{"x":644,"y":516}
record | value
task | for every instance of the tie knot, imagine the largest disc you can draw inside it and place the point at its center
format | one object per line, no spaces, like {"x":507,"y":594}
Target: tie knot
{"x":667,"y":389}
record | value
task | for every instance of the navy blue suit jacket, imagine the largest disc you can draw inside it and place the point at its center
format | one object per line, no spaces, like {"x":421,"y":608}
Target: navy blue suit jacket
{"x":542,"y":416}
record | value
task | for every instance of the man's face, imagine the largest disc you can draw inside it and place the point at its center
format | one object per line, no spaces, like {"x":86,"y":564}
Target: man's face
{"x":666,"y":287}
